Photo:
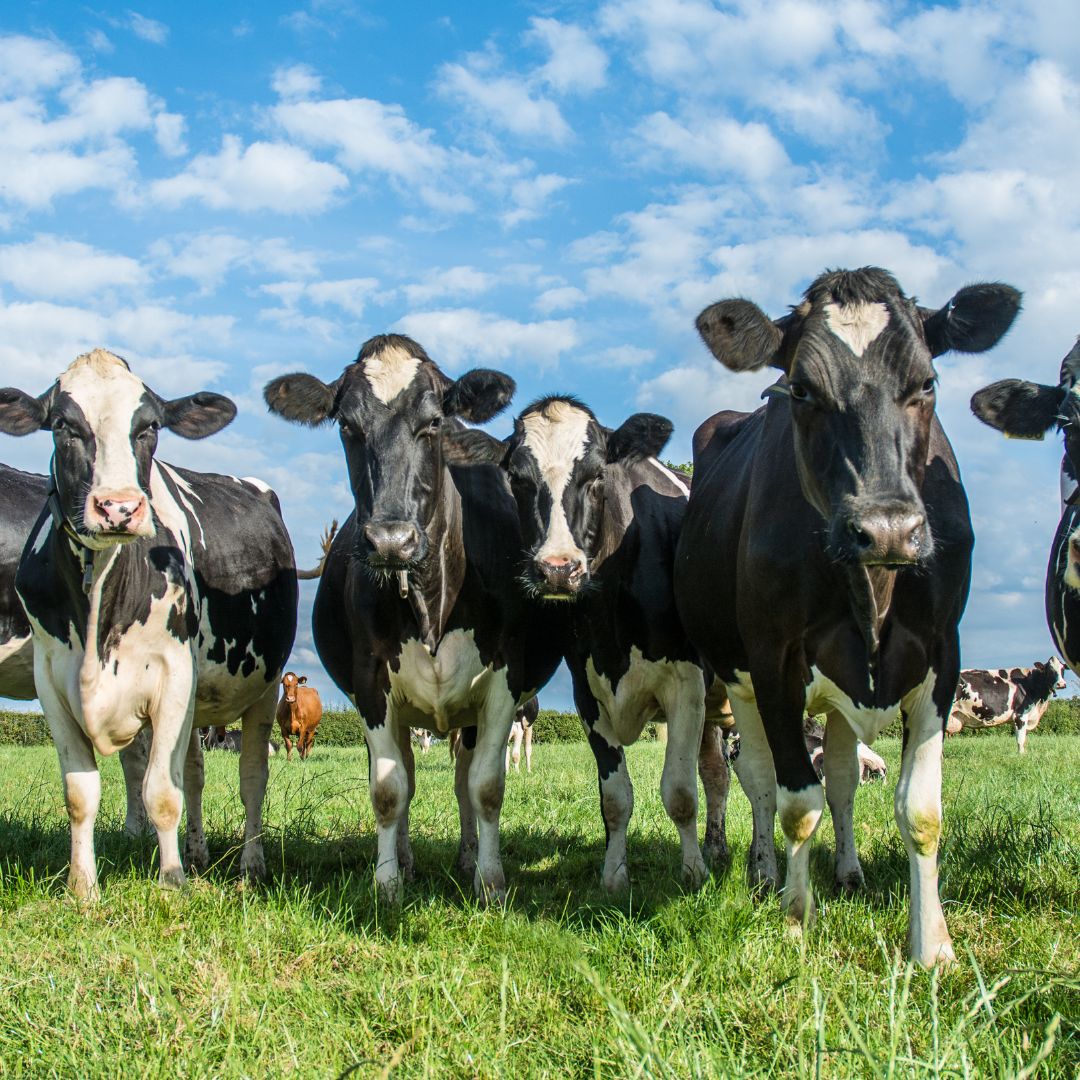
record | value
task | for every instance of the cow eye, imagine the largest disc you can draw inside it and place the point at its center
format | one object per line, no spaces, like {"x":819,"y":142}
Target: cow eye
{"x":150,"y":431}
{"x":928,"y":386}
{"x":432,"y":427}
{"x":798,"y":392}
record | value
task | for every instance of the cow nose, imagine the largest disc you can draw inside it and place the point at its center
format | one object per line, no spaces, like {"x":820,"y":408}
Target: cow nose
{"x":118,"y":511}
{"x":561,"y":573}
{"x":889,"y":538}
{"x":393,"y":541}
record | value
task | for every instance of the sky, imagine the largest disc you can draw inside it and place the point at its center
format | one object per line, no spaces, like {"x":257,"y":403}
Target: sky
{"x":224,"y":193}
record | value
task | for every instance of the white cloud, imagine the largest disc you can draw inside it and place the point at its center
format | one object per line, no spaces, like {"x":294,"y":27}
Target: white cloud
{"x":460,"y":337}
{"x":624,"y":356}
{"x":576,"y":63}
{"x":349,"y":294}
{"x":169,"y":133}
{"x":506,"y":102}
{"x":296,"y":82}
{"x":262,"y":176}
{"x":148,"y":29}
{"x":99,"y":41}
{"x":457,"y":281}
{"x":208,"y":258}
{"x":530,"y":196}
{"x":51,"y":268}
{"x":29,"y":64}
{"x":560,"y":298}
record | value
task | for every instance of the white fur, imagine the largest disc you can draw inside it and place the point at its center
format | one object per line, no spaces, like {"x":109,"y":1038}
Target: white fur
{"x":857,"y":325}
{"x":557,"y":438}
{"x":389,"y":372}
{"x":673,"y":476}
{"x":823,"y":695}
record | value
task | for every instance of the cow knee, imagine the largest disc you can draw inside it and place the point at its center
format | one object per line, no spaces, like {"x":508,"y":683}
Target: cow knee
{"x":389,"y":796}
{"x":681,"y":804}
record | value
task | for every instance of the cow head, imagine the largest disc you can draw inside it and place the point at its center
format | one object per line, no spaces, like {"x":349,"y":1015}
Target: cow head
{"x":289,"y":683}
{"x":392,"y":406}
{"x":557,"y":459}
{"x":104,"y":422}
{"x":859,"y":380}
{"x":1027,"y":410}
{"x":1055,"y":668}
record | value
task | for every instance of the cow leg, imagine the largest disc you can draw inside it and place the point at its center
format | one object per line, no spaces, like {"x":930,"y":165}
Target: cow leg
{"x":196,"y":853}
{"x":528,"y":748}
{"x":616,"y":801}
{"x":389,"y":785}
{"x":683,"y":701}
{"x":917,"y":803}
{"x":715,"y":780}
{"x":1021,"y":735}
{"x":288,"y":746}
{"x":487,"y":785}
{"x":462,"y":754}
{"x":404,"y":845}
{"x":163,"y":792}
{"x":842,"y":774}
{"x":257,"y":723}
{"x":757,"y":778}
{"x":82,"y":791}
{"x":133,"y":759}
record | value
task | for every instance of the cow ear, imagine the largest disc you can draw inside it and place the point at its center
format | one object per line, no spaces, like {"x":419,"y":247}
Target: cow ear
{"x":1019,"y":409}
{"x":469,"y":446}
{"x":740,"y":335}
{"x":974,"y":320}
{"x":198,"y":415}
{"x":479,"y":395}
{"x":301,"y":398}
{"x":302,"y":679}
{"x":643,"y":435}
{"x":21,"y":414}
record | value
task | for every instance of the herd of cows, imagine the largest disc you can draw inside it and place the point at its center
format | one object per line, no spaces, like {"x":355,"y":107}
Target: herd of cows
{"x":819,"y":562}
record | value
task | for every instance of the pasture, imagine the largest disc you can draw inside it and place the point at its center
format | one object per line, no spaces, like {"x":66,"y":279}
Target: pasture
{"x":311,"y":976}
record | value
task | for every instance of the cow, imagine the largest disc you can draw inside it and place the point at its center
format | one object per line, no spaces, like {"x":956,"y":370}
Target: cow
{"x":600,"y":517}
{"x":1017,"y":696}
{"x":871,"y":765}
{"x":418,"y":618}
{"x":22,"y":495}
{"x":158,"y":597}
{"x":231,"y":739}
{"x":1027,"y":410}
{"x":825,"y":560}
{"x":423,"y":739}
{"x":522,"y":732}
{"x":298,"y":714}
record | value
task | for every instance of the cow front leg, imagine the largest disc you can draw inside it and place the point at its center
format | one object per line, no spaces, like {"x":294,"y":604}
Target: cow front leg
{"x":133,"y":761}
{"x":462,"y":754}
{"x":196,"y":853}
{"x":917,"y":803}
{"x":715,"y":781}
{"x":163,"y":795}
{"x":257,"y":723}
{"x":1021,"y":734}
{"x":389,"y":785}
{"x":528,"y":748}
{"x":616,"y":802}
{"x":404,"y":845}
{"x":683,"y":702}
{"x":842,"y":774}
{"x":757,"y":778}
{"x":82,"y":792}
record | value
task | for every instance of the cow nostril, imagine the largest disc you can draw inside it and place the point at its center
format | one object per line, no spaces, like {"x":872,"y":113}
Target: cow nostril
{"x":860,"y":535}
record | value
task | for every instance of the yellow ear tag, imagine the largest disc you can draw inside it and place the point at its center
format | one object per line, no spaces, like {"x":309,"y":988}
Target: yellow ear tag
{"x":1026,"y":438}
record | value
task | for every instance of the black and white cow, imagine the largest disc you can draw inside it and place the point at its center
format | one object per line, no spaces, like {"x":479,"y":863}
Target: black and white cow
{"x":825,"y":560}
{"x":418,"y":617}
{"x":157,"y":596}
{"x":600,"y":517}
{"x":22,"y":495}
{"x":522,"y":732}
{"x":1027,"y":410}
{"x":1017,"y":696}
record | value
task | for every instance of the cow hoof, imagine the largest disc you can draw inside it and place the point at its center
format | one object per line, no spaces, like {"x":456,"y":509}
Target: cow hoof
{"x":939,"y":955}
{"x":716,"y":853}
{"x":135,"y":827}
{"x":694,"y":874}
{"x":490,"y":891}
{"x":617,"y":880}
{"x":172,"y":879}
{"x":850,"y":884}
{"x":466,"y":862}
{"x":85,"y":890}
{"x":762,"y":885}
{"x":196,"y":858}
{"x":253,"y":868}
{"x":800,"y":912}
{"x":391,"y":891}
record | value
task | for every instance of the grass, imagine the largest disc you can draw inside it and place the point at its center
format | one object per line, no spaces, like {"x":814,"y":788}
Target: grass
{"x":310,"y":976}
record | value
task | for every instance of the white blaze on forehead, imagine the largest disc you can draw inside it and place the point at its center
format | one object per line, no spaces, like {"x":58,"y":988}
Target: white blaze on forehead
{"x":108,"y":394}
{"x":390,"y":371}
{"x":557,"y":436}
{"x":856,"y":325}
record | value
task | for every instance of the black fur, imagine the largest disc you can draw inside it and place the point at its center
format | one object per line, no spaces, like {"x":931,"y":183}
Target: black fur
{"x":479,"y":395}
{"x":643,"y":435}
{"x":300,"y":398}
{"x":1018,"y":407}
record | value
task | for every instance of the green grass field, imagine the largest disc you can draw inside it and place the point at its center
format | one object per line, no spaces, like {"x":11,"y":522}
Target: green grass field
{"x":310,"y":976}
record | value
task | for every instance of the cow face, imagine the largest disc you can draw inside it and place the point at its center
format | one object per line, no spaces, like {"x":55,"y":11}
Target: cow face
{"x":390,"y":406}
{"x":1055,"y":667}
{"x":557,"y":459}
{"x":105,"y":422}
{"x":859,"y":380}
{"x":289,"y":683}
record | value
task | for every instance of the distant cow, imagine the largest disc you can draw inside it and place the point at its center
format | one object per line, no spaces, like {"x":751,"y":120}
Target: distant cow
{"x":231,"y":739}
{"x":522,"y":731}
{"x":871,"y":765}
{"x":1017,"y":696}
{"x":423,"y":739}
{"x":159,"y":597}
{"x":825,"y":560}
{"x":298,"y":714}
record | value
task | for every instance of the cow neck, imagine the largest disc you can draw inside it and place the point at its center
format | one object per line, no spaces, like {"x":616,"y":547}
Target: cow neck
{"x":434,"y":585}
{"x":870,"y":589}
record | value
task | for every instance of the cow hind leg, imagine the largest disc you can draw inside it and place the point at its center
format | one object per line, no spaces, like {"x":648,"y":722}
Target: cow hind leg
{"x":917,"y":803}
{"x":196,"y":853}
{"x":757,"y":778}
{"x":715,"y":781}
{"x":257,"y":723}
{"x":683,"y":702}
{"x":1021,"y":736}
{"x":842,"y":773}
{"x":462,"y":753}
{"x":528,"y":748}
{"x":133,"y":760}
{"x":404,"y":845}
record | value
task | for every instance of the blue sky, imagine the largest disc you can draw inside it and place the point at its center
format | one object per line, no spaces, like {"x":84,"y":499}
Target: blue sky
{"x":221,"y":193}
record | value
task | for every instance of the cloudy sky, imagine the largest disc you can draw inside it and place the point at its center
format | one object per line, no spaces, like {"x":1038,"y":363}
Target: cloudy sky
{"x":553,"y":189}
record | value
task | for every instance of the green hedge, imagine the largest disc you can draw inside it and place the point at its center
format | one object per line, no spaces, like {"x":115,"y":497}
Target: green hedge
{"x":23,"y":729}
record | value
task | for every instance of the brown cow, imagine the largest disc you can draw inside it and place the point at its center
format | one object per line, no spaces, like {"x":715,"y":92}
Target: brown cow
{"x":298,"y":713}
